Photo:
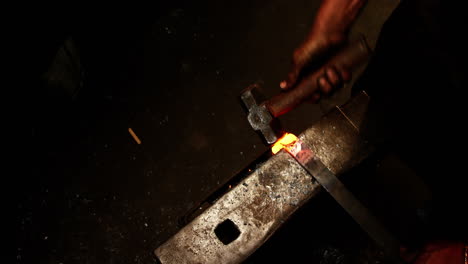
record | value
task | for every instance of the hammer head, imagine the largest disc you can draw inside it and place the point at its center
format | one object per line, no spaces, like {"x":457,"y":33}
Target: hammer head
{"x":258,"y":115}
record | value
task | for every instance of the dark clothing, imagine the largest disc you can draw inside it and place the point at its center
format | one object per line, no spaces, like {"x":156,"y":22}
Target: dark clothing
{"x":416,"y":81}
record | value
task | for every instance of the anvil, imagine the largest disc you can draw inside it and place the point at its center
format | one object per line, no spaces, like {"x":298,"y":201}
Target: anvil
{"x":242,"y":219}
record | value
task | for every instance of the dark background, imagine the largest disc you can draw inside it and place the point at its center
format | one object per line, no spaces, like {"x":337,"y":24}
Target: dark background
{"x":172,"y":72}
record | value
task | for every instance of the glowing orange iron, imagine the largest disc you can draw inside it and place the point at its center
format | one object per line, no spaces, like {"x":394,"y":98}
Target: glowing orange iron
{"x":286,"y":141}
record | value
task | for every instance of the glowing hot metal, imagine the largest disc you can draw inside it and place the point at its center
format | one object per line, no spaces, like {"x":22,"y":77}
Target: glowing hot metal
{"x":286,"y":141}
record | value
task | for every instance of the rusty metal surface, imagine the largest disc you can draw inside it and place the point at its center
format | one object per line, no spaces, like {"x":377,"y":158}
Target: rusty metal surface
{"x":267,"y":197}
{"x":257,"y":207}
{"x":335,"y":138}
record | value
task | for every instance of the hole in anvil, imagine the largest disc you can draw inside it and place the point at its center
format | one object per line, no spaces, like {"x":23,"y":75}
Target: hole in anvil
{"x":227,"y":231}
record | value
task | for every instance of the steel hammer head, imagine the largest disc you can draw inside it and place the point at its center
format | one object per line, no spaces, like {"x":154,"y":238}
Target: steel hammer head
{"x":258,"y":115}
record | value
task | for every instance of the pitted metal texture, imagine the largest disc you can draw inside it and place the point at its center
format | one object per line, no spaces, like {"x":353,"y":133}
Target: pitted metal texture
{"x":270,"y":194}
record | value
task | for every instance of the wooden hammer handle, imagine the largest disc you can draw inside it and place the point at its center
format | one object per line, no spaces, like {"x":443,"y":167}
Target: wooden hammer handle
{"x":350,"y":57}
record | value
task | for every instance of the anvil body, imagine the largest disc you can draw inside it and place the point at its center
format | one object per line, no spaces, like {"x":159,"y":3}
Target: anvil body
{"x":267,"y":197}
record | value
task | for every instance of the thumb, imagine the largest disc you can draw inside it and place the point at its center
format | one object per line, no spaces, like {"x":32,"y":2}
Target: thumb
{"x":308,"y":53}
{"x":291,"y":78}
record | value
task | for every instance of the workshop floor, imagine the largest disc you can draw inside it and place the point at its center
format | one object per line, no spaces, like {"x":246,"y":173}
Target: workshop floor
{"x":95,"y":196}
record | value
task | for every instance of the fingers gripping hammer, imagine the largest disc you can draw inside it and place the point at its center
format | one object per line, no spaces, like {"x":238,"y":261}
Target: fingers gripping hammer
{"x":261,"y":116}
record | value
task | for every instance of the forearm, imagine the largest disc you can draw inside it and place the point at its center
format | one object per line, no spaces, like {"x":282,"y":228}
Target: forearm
{"x":330,"y":28}
{"x":335,"y":17}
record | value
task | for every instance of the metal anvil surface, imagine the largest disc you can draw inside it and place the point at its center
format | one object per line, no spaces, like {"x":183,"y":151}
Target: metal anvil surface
{"x":254,"y":209}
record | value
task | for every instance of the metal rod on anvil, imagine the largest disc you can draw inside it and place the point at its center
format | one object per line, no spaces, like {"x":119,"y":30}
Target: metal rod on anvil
{"x":241,"y":220}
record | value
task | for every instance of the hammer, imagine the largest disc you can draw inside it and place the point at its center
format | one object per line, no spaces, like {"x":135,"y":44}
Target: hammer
{"x":262,"y":116}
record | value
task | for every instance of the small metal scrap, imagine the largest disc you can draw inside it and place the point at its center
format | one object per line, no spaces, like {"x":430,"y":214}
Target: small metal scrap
{"x":134,"y":136}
